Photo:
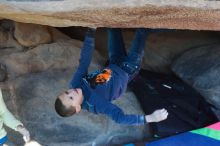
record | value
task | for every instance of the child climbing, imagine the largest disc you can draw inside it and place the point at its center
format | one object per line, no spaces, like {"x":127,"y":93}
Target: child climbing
{"x":95,"y":91}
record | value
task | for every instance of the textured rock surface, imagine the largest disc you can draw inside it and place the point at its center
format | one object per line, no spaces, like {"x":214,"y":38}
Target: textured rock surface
{"x":30,"y":35}
{"x":33,"y":102}
{"x":7,"y":41}
{"x":59,"y":55}
{"x":179,"y":14}
{"x":57,"y":35}
{"x":200,"y":67}
{"x":163,"y":48}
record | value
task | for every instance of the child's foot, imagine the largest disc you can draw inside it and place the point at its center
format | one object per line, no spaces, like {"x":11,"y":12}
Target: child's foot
{"x":91,"y":32}
{"x":157,"y":116}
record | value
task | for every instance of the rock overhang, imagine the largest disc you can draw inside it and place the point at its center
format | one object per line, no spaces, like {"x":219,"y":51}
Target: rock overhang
{"x":172,"y":14}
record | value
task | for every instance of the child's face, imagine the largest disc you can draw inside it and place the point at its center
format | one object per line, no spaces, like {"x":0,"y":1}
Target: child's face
{"x":72,"y":97}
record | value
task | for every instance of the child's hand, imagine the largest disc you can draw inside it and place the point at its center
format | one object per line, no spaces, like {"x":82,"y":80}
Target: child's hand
{"x":91,"y":32}
{"x":157,"y":116}
{"x":23,"y":131}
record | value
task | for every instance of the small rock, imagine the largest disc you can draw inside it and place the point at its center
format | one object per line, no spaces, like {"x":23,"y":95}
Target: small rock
{"x":31,"y":34}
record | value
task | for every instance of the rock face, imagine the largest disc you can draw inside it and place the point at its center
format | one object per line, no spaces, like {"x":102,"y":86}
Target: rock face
{"x":7,"y":41}
{"x":57,"y":35}
{"x":59,"y":55}
{"x":200,"y":68}
{"x":35,"y":97}
{"x":197,"y":15}
{"x":163,"y":48}
{"x":30,"y":35}
{"x":3,"y":73}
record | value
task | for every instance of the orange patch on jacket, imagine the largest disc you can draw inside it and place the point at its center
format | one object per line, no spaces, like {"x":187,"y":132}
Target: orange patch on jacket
{"x":104,"y":76}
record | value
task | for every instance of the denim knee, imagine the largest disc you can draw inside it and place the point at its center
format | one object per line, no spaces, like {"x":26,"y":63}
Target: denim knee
{"x":130,"y":68}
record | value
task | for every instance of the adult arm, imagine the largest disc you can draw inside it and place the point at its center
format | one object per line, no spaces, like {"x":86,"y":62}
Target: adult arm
{"x":85,"y":58}
{"x":10,"y":121}
{"x":7,"y":117}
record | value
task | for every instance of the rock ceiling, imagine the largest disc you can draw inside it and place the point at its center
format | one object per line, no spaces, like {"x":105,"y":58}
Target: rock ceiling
{"x":177,"y":14}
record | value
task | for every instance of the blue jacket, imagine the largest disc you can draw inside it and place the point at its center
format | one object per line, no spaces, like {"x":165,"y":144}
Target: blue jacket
{"x":101,"y":87}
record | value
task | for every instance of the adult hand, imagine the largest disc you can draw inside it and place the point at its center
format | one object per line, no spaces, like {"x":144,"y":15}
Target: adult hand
{"x":23,"y":131}
{"x":157,"y":116}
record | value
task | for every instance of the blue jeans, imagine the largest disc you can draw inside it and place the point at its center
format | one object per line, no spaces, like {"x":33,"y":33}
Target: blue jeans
{"x":130,"y":62}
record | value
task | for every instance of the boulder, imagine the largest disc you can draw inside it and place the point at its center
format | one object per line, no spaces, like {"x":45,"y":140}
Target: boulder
{"x":200,"y":68}
{"x":163,"y":48}
{"x":7,"y":41}
{"x":179,"y":14}
{"x":30,"y":35}
{"x":33,"y":102}
{"x":58,"y":55}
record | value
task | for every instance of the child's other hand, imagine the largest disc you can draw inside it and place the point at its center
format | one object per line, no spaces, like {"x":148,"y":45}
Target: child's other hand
{"x":157,"y":116}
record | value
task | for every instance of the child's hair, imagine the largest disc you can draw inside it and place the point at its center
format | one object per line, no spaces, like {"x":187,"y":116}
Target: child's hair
{"x":62,"y":110}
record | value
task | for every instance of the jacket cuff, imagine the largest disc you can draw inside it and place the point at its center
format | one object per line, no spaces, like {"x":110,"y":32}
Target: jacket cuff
{"x":142,"y":119}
